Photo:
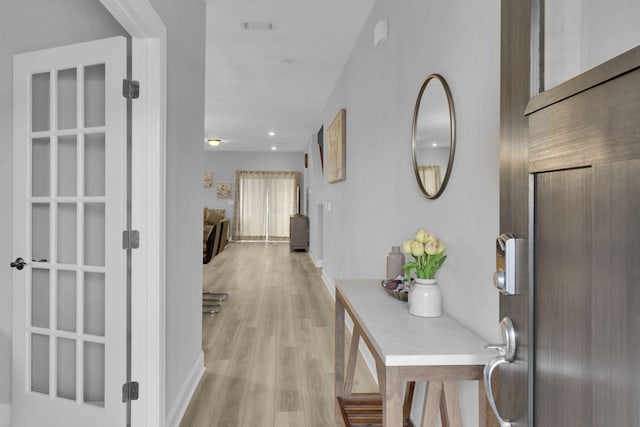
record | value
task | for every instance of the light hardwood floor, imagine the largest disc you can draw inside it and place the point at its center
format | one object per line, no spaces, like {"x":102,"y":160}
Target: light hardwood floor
{"x":269,"y":353}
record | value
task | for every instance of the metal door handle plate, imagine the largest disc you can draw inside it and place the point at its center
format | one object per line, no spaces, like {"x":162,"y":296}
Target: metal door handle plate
{"x":511,"y":263}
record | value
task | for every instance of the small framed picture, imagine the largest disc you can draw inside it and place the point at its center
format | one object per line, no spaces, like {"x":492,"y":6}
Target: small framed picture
{"x":208,"y":179}
{"x":223,"y":191}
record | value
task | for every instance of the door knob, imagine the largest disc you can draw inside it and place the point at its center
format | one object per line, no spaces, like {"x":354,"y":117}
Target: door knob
{"x":507,"y":353}
{"x":18,"y":263}
{"x":500,"y":280}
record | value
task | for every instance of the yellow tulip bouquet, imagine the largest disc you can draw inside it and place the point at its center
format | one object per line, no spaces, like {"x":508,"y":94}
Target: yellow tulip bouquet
{"x":428,"y":254}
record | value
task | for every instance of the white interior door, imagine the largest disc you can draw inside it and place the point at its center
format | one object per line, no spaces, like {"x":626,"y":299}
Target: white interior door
{"x":69,"y":300}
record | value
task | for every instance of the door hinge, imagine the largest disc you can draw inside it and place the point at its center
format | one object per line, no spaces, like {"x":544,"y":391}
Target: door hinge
{"x":130,"y":239}
{"x":130,"y":391}
{"x":130,"y":89}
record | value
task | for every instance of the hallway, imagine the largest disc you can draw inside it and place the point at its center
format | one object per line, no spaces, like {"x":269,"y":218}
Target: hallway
{"x":269,"y":353}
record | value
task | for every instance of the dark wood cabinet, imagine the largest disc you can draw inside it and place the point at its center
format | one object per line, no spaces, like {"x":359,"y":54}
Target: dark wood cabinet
{"x":299,"y":232}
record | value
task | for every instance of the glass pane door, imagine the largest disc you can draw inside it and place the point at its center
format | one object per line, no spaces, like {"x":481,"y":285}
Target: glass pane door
{"x":67,"y":202}
{"x":581,"y":34}
{"x":69,"y":323}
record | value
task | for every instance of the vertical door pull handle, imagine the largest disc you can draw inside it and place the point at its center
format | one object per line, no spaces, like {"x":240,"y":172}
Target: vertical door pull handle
{"x":507,"y":354}
{"x":488,"y":372}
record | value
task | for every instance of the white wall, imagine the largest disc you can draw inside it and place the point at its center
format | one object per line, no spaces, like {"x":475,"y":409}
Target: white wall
{"x":379,"y":204}
{"x":185,"y":22}
{"x":224,"y":164}
{"x":25,"y":26}
{"x":28,"y":25}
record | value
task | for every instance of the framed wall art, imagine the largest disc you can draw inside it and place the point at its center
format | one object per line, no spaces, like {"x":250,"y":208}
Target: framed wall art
{"x":223,"y":191}
{"x":320,"y":141}
{"x":336,"y":156}
{"x":208,"y":179}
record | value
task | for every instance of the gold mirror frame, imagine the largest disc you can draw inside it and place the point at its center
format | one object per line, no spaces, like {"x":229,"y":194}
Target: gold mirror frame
{"x":452,"y":132}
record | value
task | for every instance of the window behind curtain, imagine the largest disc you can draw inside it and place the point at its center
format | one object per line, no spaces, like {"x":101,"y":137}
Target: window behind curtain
{"x":264,"y":201}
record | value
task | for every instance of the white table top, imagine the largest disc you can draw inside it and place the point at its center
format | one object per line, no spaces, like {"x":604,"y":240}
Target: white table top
{"x":401,"y":339}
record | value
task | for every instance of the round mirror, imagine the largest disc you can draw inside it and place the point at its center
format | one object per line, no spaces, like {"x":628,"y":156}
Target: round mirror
{"x":434,"y":136}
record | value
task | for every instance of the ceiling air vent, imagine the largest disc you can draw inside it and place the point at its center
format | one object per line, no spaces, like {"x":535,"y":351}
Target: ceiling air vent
{"x":257,"y":26}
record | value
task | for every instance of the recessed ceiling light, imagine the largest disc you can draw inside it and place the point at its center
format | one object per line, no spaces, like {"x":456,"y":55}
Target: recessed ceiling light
{"x":272,"y":133}
{"x":274,"y":148}
{"x":435,"y":144}
{"x":214,"y":142}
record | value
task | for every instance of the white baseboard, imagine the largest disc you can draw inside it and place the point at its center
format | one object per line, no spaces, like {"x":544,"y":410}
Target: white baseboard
{"x":364,"y":351}
{"x":186,"y":393}
{"x":5,"y":415}
{"x":328,"y":282}
{"x":317,"y":262}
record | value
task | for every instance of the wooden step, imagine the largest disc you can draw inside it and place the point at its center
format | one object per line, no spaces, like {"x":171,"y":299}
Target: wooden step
{"x":363,"y":410}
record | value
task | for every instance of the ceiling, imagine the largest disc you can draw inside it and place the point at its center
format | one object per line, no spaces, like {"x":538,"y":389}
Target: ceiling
{"x":261,"y":80}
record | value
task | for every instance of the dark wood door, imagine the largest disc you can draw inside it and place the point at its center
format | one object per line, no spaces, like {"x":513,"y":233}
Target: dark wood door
{"x":513,"y":401}
{"x":570,"y":183}
{"x":584,"y":159}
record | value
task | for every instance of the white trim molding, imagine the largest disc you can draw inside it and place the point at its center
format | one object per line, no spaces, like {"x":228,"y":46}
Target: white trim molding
{"x":328,"y":282}
{"x":138,"y":17}
{"x":317,"y":262}
{"x":148,"y":216}
{"x":186,"y":393}
{"x":5,"y":415}
{"x":148,"y":182}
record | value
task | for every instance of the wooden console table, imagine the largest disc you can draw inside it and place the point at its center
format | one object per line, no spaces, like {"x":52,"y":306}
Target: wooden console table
{"x":406,"y":349}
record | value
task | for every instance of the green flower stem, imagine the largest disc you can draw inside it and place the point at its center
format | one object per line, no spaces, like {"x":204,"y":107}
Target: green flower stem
{"x":425,"y":266}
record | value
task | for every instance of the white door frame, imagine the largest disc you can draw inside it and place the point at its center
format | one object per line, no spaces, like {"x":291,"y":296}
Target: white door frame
{"x":148,"y":35}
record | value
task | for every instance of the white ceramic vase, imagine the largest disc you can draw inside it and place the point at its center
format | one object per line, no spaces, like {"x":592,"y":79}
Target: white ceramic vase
{"x":425,"y":298}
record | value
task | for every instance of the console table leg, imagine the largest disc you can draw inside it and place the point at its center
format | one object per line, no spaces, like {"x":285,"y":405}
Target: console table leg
{"x":487,"y":419}
{"x":451,"y":405}
{"x":380,"y":372}
{"x":339,"y":356}
{"x":351,"y":365}
{"x":392,"y":398}
{"x":408,"y":400}
{"x":431,"y":404}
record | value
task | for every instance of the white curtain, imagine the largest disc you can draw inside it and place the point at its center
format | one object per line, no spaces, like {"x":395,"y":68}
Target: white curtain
{"x":430,"y":177}
{"x":282,"y":204}
{"x":252,"y":191}
{"x":264,"y":203}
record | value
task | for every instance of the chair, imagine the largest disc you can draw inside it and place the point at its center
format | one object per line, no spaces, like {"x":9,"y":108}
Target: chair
{"x":212,"y":301}
{"x":214,"y":243}
{"x":215,"y":239}
{"x":209,"y":240}
{"x":224,"y":235}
